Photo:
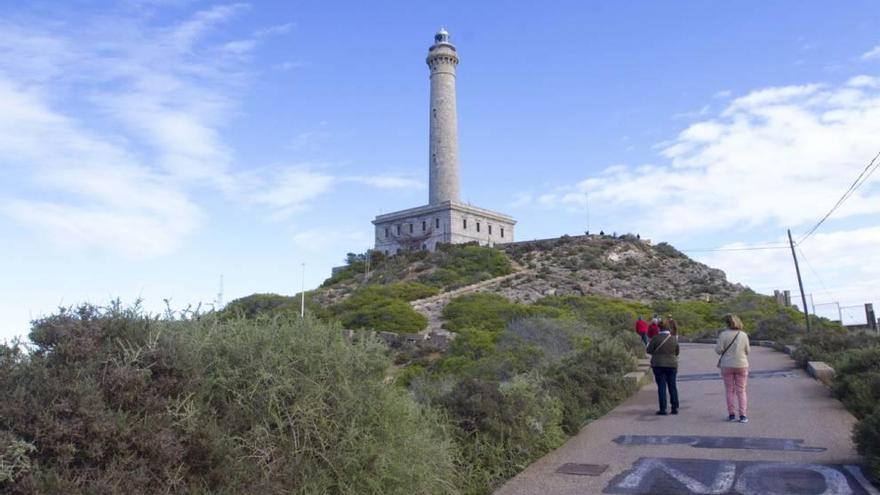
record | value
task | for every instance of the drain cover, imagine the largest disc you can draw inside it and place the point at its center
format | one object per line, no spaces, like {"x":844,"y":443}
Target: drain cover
{"x":582,"y":469}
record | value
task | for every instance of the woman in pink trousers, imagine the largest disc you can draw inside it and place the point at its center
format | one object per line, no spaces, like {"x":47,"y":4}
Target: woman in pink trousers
{"x":733,"y":346}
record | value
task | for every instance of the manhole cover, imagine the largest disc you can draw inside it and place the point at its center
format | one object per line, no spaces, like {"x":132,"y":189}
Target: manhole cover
{"x":582,"y":469}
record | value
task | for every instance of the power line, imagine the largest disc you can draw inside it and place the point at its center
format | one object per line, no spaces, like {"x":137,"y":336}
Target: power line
{"x":861,"y":179}
{"x":716,"y":249}
{"x":824,"y":289}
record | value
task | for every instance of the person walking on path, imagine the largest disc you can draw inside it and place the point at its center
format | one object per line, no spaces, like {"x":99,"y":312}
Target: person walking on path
{"x":673,"y":326}
{"x":733,"y":346}
{"x":664,"y":352}
{"x":654,"y":327}
{"x":642,"y":330}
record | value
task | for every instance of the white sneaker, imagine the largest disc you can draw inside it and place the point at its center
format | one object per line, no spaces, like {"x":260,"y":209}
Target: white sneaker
{"x":743,"y":419}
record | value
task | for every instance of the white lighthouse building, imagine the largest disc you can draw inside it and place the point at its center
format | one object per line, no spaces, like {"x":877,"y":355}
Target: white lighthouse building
{"x":445,"y":219}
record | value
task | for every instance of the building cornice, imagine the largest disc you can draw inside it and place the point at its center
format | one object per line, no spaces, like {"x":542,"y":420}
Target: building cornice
{"x":446,"y":205}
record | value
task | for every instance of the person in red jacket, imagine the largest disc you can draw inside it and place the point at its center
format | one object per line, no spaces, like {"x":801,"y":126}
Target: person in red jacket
{"x":642,"y":330}
{"x":653,"y":328}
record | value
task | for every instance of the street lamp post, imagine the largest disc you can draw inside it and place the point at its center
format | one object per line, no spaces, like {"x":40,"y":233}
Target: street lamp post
{"x":302,"y":294}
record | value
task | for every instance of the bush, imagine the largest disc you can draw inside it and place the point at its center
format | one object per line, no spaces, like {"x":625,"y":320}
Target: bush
{"x":829,"y":345}
{"x":263,"y":406}
{"x":503,"y":427}
{"x":866,"y":435}
{"x":256,"y":305}
{"x":590,"y":382}
{"x":666,"y":249}
{"x":857,"y":380}
{"x":384,"y":308}
{"x":464,"y":264}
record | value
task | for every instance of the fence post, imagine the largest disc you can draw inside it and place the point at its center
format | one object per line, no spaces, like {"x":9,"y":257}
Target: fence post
{"x":869,"y":314}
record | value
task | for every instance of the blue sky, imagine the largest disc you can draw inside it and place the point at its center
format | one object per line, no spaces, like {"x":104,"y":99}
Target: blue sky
{"x":149,"y":147}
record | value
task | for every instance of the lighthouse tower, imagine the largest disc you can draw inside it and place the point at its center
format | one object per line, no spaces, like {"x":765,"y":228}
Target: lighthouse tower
{"x":445,"y":219}
{"x":443,"y":133}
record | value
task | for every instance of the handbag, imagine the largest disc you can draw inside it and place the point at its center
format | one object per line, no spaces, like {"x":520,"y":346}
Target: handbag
{"x":726,"y":348}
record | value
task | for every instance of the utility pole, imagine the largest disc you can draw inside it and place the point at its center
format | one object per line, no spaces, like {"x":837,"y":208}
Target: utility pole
{"x":800,"y":283}
{"x":302,"y":294}
{"x":587,"y":194}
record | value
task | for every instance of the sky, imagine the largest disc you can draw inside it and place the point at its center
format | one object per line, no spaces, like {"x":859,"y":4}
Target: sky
{"x":150,"y":148}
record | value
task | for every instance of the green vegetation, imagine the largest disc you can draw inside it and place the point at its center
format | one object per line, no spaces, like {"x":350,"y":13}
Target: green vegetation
{"x":519,"y":379}
{"x":464,"y":264}
{"x":271,"y":405}
{"x":384,"y":308}
{"x":449,"y":267}
{"x":857,"y":385}
{"x":262,"y":305}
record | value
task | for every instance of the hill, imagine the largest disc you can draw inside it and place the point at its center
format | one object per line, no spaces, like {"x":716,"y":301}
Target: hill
{"x":369,"y":291}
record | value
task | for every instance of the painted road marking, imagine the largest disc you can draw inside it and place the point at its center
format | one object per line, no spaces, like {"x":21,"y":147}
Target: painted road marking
{"x":582,"y":469}
{"x":664,"y":476}
{"x":708,"y":442}
{"x":785,"y":373}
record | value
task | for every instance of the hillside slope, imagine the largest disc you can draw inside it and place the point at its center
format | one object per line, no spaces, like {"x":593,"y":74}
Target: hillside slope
{"x":622,"y":267}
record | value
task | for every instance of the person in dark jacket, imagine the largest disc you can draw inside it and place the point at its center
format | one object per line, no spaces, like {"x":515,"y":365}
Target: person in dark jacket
{"x":664,"y":362}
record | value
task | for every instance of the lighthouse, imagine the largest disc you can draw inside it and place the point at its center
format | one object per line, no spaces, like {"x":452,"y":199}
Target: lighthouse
{"x":445,"y":219}
{"x":443,"y":122}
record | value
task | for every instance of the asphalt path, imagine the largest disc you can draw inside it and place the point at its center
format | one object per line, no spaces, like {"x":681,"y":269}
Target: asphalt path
{"x":797,"y":440}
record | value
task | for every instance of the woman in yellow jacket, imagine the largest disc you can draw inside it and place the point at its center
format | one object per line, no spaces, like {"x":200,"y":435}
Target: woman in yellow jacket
{"x":733,"y":346}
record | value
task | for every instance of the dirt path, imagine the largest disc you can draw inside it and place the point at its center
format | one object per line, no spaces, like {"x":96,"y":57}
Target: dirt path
{"x":432,"y":307}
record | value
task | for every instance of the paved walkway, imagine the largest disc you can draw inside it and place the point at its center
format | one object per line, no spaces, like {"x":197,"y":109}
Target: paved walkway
{"x":797,"y":440}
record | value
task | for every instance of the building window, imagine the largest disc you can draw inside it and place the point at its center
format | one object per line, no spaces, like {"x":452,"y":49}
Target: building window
{"x":436,"y":223}
{"x":410,"y":229}
{"x":502,"y":231}
{"x":386,"y":231}
{"x":398,"y":230}
{"x":490,"y":230}
{"x":424,"y":225}
{"x":478,"y":226}
{"x":464,"y":223}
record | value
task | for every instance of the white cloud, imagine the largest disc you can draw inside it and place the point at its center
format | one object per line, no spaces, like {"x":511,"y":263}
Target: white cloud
{"x":285,"y":189}
{"x":774,"y":157}
{"x":239,"y":47}
{"x":837,"y":266}
{"x":109,"y":198}
{"x":864,"y":81}
{"x":872,"y":54}
{"x":118,"y":120}
{"x":389,"y":182}
{"x":274,"y":30}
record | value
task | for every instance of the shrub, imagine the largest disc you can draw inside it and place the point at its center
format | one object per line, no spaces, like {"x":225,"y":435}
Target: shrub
{"x":502,"y":427}
{"x":590,"y":382}
{"x":866,"y":435}
{"x":256,"y":305}
{"x":666,"y":249}
{"x":829,"y":345}
{"x":384,"y":308}
{"x":857,"y":380}
{"x":268,"y":405}
{"x":464,"y":264}
{"x":550,"y":338}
